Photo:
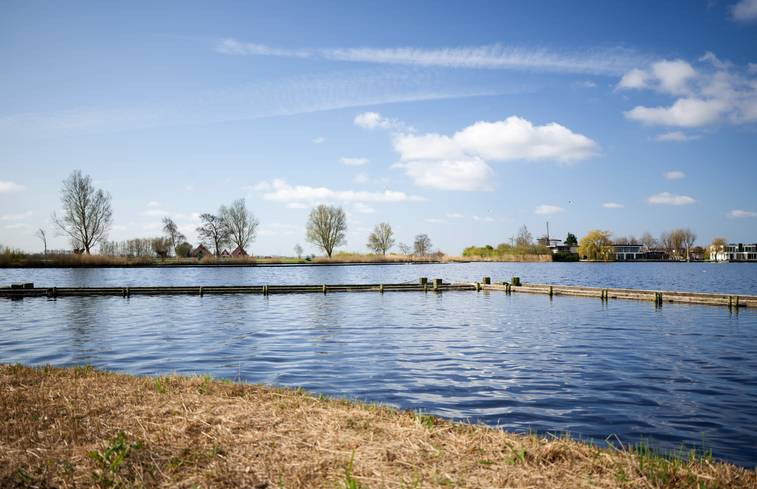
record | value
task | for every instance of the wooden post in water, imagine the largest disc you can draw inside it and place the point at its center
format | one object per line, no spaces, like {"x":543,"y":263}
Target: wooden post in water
{"x":486,"y":280}
{"x":515,"y":281}
{"x":424,"y":280}
{"x":324,"y":289}
{"x":550,"y":291}
{"x":437,"y":284}
{"x":381,"y":288}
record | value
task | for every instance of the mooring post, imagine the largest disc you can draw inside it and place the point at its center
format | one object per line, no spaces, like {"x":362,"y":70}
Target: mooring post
{"x":128,"y":292}
{"x":515,"y":281}
{"x":508,"y":289}
{"x":424,"y":280}
{"x":550,"y":291}
{"x":324,"y":289}
{"x":123,"y":292}
{"x":265,"y":290}
{"x":381,"y":288}
{"x":437,"y":284}
{"x":486,"y":280}
{"x":478,"y":286}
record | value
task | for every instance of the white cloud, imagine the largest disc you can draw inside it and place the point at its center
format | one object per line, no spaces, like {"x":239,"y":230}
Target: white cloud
{"x":153,"y":203}
{"x":464,"y":174}
{"x":677,"y":136}
{"x":354,"y":161}
{"x":612,"y":205}
{"x":666,"y":198}
{"x":7,"y":187}
{"x":296,"y":196}
{"x":459,"y":162}
{"x":155,"y":212}
{"x":319,"y":140}
{"x":634,"y":79}
{"x":685,"y":112}
{"x":744,"y":11}
{"x":454,"y":215}
{"x":674,"y":175}
{"x":483,"y":219}
{"x":602,"y":61}
{"x":548,"y":209}
{"x":673,"y":76}
{"x":738,"y":213}
{"x":374,"y":120}
{"x":716,"y":91}
{"x":16,"y":217}
{"x":435,"y":220}
{"x":586,"y":84}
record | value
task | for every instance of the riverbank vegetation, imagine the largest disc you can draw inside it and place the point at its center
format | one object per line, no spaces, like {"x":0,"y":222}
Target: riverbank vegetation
{"x":79,"y":427}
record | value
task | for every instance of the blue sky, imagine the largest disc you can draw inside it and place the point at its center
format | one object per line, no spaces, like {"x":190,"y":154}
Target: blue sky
{"x":461,"y":120}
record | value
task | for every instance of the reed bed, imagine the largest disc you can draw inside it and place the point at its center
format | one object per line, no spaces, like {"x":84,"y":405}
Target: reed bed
{"x":80,"y":427}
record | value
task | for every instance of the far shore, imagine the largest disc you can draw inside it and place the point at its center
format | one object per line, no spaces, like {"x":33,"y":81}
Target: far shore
{"x":81,"y":427}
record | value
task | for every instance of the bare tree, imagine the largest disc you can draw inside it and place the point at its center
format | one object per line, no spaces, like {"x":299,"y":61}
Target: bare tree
{"x":381,"y":239}
{"x":524,"y":237}
{"x":87,"y":213}
{"x":213,"y":232}
{"x":648,"y":240}
{"x":171,"y":230}
{"x":326,"y":228}
{"x":405,"y":249}
{"x":41,"y":234}
{"x":240,"y":223}
{"x":422,"y":245}
{"x":298,"y":250}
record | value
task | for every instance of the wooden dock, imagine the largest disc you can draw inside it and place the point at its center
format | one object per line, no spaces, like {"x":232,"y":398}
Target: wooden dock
{"x":18,"y":291}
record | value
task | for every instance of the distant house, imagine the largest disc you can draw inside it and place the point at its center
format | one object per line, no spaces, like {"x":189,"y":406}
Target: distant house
{"x":557,"y":246}
{"x":225,"y":254}
{"x":628,"y":252}
{"x":200,"y":252}
{"x":737,"y":252}
{"x":238,"y":251}
{"x":655,"y":254}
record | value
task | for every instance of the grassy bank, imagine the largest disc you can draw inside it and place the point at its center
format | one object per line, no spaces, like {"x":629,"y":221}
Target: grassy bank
{"x":80,"y":427}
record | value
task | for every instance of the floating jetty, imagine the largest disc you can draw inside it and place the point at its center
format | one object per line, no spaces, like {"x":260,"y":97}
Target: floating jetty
{"x":18,"y":291}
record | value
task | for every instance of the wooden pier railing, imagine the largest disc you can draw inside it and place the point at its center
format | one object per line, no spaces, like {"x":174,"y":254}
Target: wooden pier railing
{"x":18,"y":291}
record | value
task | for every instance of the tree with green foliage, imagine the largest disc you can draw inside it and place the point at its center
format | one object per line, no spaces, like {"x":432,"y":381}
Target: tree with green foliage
{"x":596,"y":245}
{"x":571,"y":240}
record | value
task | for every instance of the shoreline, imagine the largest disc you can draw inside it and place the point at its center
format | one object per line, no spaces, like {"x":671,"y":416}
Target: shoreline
{"x":82,"y":427}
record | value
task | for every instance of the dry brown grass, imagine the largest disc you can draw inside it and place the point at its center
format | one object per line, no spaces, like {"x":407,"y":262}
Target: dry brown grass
{"x":80,"y":427}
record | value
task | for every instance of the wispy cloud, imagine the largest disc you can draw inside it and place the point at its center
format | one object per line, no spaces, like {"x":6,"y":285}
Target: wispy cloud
{"x":292,"y":95}
{"x":319,"y":140}
{"x":279,"y":190}
{"x":7,"y":187}
{"x":612,"y":205}
{"x":434,"y":220}
{"x":354,"y":161}
{"x":548,"y":209}
{"x":744,"y":11}
{"x":740,"y":214}
{"x":676,"y":136}
{"x":674,"y":175}
{"x":600,"y":61}
{"x":666,"y":198}
{"x":483,"y":219}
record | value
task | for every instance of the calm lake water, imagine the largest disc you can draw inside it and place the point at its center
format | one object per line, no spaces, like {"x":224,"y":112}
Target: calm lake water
{"x":673,"y":375}
{"x":736,"y":278}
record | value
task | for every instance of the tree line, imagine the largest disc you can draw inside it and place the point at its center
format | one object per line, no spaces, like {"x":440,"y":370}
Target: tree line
{"x":87,"y":217}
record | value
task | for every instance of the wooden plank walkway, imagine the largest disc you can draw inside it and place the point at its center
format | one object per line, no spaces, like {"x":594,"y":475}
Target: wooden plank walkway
{"x":18,"y":291}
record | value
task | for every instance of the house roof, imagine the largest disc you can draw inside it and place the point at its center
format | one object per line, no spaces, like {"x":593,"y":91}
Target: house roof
{"x":238,"y":251}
